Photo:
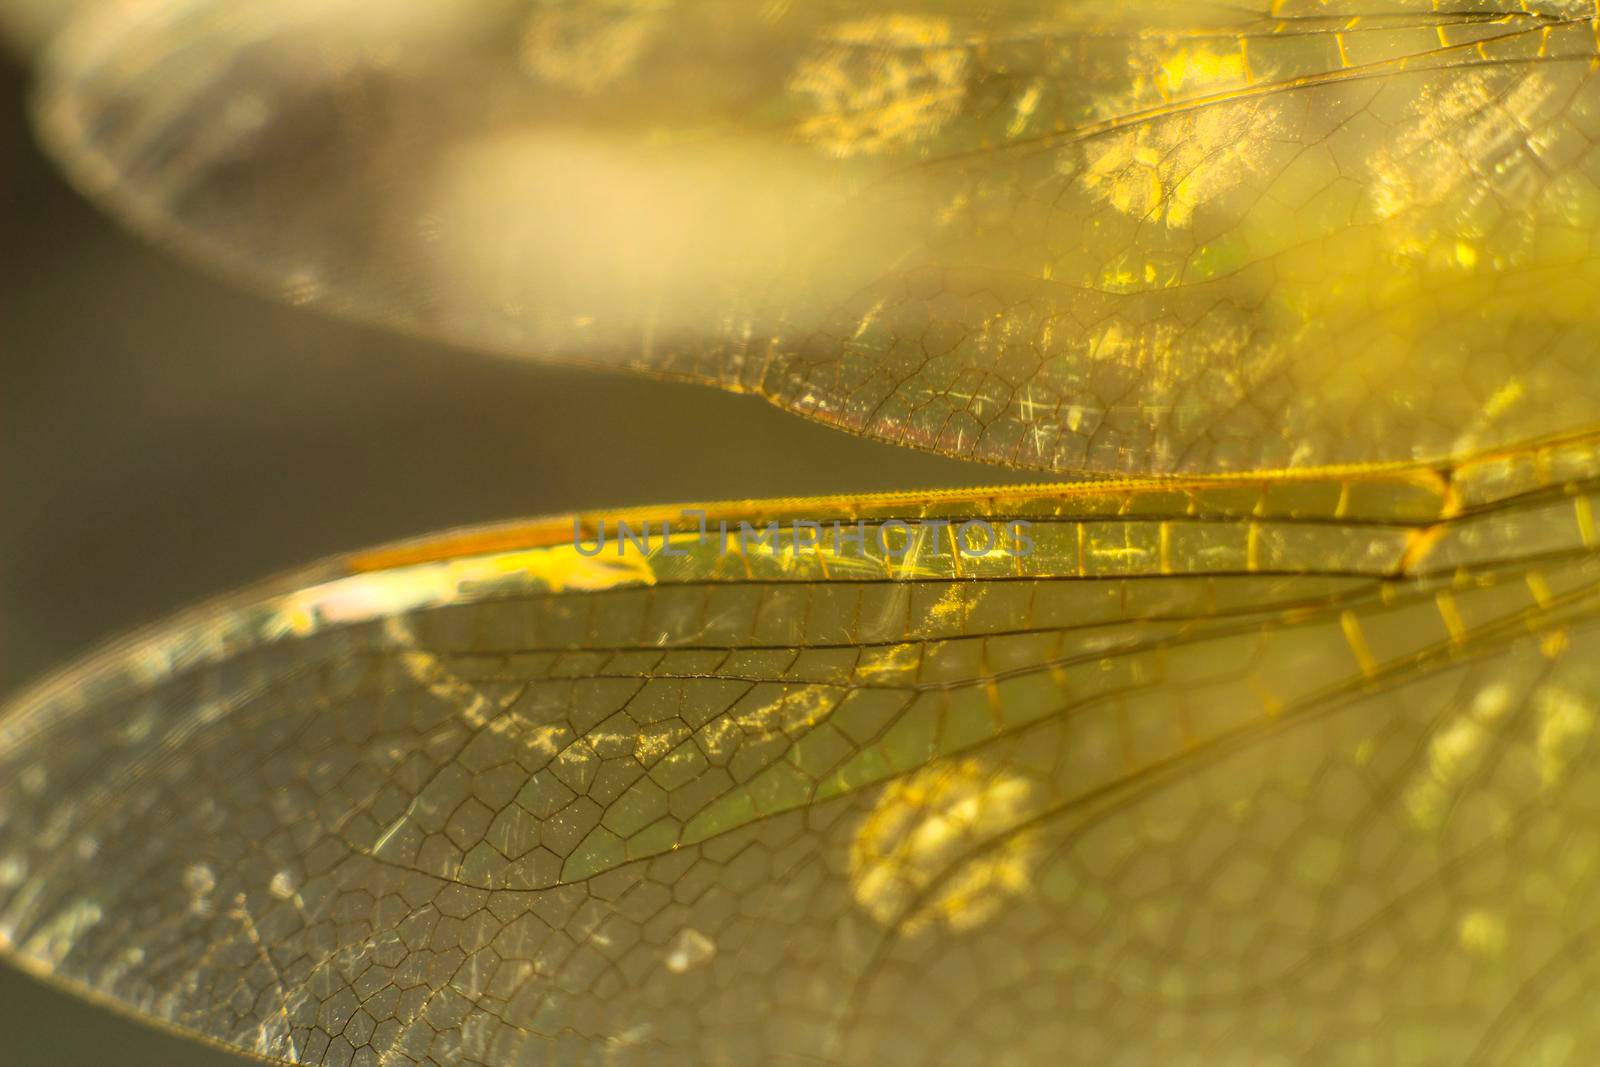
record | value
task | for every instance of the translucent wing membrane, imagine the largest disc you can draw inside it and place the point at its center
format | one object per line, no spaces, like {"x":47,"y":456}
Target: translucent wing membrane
{"x":1152,"y":237}
{"x":1246,"y":771}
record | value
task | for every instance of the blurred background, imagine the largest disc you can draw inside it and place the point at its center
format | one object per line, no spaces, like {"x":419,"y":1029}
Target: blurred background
{"x":164,"y":438}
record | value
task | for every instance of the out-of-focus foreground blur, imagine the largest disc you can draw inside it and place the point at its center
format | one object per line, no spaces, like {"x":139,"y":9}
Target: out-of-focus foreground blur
{"x":164,"y":438}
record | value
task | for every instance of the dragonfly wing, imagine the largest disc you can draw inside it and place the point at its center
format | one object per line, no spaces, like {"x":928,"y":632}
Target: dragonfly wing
{"x":1217,"y":771}
{"x":1164,"y":237}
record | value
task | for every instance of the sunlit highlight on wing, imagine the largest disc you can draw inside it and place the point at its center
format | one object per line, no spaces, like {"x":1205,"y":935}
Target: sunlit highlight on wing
{"x":1151,"y":237}
{"x":1242,"y":767}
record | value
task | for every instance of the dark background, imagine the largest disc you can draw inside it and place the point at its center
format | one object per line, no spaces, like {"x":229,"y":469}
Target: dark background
{"x":164,"y":438}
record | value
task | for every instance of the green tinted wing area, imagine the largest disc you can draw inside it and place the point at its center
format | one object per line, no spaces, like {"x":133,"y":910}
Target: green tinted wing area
{"x":1149,"y":237}
{"x":1250,"y":770}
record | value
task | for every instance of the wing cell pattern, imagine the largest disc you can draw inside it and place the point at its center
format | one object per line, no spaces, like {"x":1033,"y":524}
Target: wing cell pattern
{"x":1150,"y":237}
{"x":1222,"y":771}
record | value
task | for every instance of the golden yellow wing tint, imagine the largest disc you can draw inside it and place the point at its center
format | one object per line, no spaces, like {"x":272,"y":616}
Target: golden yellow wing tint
{"x":1244,"y":769}
{"x":1146,"y":237}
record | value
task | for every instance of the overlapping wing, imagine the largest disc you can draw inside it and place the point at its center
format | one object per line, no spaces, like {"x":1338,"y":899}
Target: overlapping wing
{"x":1230,"y":771}
{"x":1147,"y":237}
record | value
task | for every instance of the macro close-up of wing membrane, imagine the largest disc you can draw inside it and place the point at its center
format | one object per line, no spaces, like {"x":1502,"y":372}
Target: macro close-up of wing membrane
{"x":1267,"y":736}
{"x":1149,"y":237}
{"x":1250,"y":771}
